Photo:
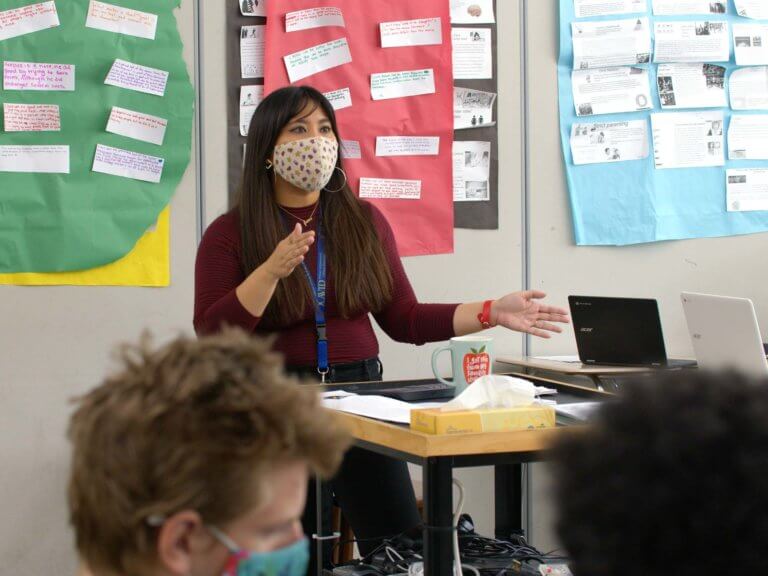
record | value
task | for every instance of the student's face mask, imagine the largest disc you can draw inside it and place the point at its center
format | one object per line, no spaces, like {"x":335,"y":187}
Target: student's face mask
{"x":307,"y":164}
{"x":289,"y":561}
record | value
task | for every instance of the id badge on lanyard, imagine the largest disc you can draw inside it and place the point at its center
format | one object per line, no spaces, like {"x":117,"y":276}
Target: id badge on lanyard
{"x":318,"y":296}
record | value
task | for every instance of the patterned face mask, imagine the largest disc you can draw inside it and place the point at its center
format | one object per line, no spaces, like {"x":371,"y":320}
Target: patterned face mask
{"x":289,"y":561}
{"x":307,"y":164}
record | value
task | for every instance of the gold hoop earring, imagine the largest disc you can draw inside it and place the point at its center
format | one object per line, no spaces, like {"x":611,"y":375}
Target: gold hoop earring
{"x":342,"y":186}
{"x":268,"y":164}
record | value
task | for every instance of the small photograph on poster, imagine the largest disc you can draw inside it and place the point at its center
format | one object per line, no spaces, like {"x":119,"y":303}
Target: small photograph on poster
{"x":471,"y":171}
{"x":253,"y":7}
{"x":750,"y":44}
{"x":472,"y":108}
{"x":472,"y":12}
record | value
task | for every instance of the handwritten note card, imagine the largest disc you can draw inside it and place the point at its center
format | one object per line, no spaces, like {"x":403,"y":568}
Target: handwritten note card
{"x":127,"y":164}
{"x":339,"y":99}
{"x":401,"y":84}
{"x":350,"y":150}
{"x":407,"y":145}
{"x":250,"y":98}
{"x":31,"y":117}
{"x":103,"y":16}
{"x":35,"y":159}
{"x":38,"y":76}
{"x":28,"y":19}
{"x":422,"y":32}
{"x":252,"y":51}
{"x":136,"y":77}
{"x":313,"y":18}
{"x":137,"y":125}
{"x":317,"y":59}
{"x":387,"y":188}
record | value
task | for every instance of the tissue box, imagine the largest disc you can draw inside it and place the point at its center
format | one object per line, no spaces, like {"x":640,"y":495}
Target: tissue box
{"x":435,"y":421}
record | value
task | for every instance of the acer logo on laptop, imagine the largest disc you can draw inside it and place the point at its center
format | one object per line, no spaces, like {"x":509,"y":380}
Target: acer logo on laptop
{"x":577,"y":303}
{"x":586,"y":330}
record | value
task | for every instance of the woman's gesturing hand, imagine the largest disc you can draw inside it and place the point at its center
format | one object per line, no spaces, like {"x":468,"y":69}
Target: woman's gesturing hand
{"x":523,"y":312}
{"x":289,"y":253}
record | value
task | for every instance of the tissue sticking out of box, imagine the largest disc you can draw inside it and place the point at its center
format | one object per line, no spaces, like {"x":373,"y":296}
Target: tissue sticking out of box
{"x":493,"y":391}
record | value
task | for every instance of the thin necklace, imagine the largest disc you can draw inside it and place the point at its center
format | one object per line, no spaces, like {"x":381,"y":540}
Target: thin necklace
{"x":305,"y":222}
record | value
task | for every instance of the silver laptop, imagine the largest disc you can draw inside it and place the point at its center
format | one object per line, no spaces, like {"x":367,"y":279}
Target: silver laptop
{"x":725,"y":333}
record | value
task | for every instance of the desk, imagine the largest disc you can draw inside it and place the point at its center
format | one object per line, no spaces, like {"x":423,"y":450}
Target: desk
{"x":439,"y":455}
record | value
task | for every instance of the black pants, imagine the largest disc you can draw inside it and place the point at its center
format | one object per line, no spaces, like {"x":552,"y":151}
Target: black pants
{"x":374,"y":492}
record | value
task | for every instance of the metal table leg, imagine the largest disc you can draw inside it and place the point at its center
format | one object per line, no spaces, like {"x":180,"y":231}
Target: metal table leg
{"x":509,"y":500}
{"x":438,"y":511}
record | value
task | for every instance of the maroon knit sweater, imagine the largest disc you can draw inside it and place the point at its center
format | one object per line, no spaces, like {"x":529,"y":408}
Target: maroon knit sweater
{"x":219,"y":271}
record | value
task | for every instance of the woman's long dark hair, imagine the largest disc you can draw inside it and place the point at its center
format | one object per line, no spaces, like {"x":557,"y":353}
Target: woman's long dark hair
{"x":360,"y":271}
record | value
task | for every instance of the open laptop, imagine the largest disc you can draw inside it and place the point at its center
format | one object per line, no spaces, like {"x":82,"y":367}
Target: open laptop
{"x":620,"y":332}
{"x":725,"y":333}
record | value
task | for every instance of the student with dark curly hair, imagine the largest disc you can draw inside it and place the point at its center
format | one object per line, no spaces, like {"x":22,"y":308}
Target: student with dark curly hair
{"x":671,"y":479}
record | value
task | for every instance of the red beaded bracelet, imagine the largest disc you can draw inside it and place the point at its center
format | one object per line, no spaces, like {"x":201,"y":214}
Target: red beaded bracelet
{"x":485,"y":315}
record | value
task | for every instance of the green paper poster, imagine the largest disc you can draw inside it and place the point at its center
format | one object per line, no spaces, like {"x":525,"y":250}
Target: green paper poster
{"x":56,"y":222}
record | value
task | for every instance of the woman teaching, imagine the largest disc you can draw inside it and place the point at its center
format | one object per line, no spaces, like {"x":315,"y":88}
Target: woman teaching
{"x":301,"y":258}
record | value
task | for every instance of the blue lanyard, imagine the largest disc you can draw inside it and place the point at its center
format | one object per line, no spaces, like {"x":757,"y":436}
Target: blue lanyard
{"x":318,"y":296}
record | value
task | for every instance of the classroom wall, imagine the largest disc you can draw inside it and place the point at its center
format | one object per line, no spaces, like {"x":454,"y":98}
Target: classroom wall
{"x":55,"y":343}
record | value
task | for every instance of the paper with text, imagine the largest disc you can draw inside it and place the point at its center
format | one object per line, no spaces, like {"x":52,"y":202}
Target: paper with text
{"x":748,"y":137}
{"x":390,"y":188}
{"x":339,"y":99}
{"x":252,"y":51}
{"x":127,"y":164}
{"x":685,"y":7}
{"x":755,"y":9}
{"x":611,"y":43}
{"x":111,"y":18}
{"x":38,"y":76}
{"x":611,"y":90}
{"x":472,"y":12}
{"x":350,"y":150}
{"x":137,"y":125}
{"x":28,"y":19}
{"x":688,"y":139}
{"x":609,"y":142}
{"x":35,"y":159}
{"x":471,"y":171}
{"x":317,"y":59}
{"x":750,"y":43}
{"x":589,"y":8}
{"x":472,"y":55}
{"x":749,"y":88}
{"x":407,"y":145}
{"x":422,"y":32}
{"x":402,"y":84}
{"x":472,"y":108}
{"x":746,"y":189}
{"x":691,"y":86}
{"x":136,"y":77}
{"x":313,"y":18}
{"x":253,"y":8}
{"x":250,"y":98}
{"x":688,"y":41}
{"x":31,"y":117}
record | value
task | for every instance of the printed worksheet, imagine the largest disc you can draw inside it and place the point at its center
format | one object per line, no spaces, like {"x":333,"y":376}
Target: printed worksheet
{"x":755,"y":9}
{"x":750,"y":43}
{"x":472,"y":55}
{"x":688,"y":139}
{"x":136,"y":77}
{"x":350,"y":150}
{"x":686,"y":7}
{"x":472,"y":108}
{"x":252,"y":51}
{"x":35,"y":159}
{"x":250,"y":98}
{"x":317,"y":59}
{"x":402,"y":84}
{"x":31,"y":117}
{"x":339,"y":99}
{"x":422,"y":32}
{"x":111,"y":18}
{"x":407,"y":145}
{"x":589,"y":8}
{"x":314,"y":18}
{"x":28,"y":19}
{"x":749,"y":88}
{"x":746,"y":189}
{"x":611,"y":90}
{"x":472,"y":12}
{"x":390,"y":188}
{"x":253,"y":7}
{"x":691,"y":86}
{"x":38,"y":76}
{"x":611,"y":43}
{"x":748,"y":137}
{"x":689,"y":41}
{"x":471,"y":171}
{"x":137,"y":125}
{"x":609,"y":142}
{"x":127,"y":164}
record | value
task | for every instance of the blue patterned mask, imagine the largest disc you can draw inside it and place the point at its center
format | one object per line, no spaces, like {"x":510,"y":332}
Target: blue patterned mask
{"x":289,"y":561}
